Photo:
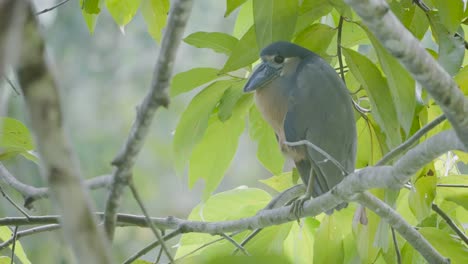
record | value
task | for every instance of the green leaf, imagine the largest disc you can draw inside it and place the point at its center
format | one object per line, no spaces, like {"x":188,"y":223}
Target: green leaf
{"x":411,"y":16}
{"x":229,"y":205}
{"x":342,"y":8}
{"x":244,"y":20}
{"x":382,"y":106}
{"x":212,"y":155}
{"x":268,"y":151}
{"x":330,"y":248}
{"x":90,"y":6}
{"x":232,"y":5}
{"x":229,"y":99}
{"x":186,"y":81}
{"x":300,"y":241}
{"x":5,"y":234}
{"x":308,"y":38}
{"x":217,"y":41}
{"x":310,"y":11}
{"x":451,"y":47}
{"x":353,"y":35}
{"x":422,"y":195}
{"x":155,"y":15}
{"x":5,"y":260}
{"x":90,"y":17}
{"x":448,"y":246}
{"x":194,"y":120}
{"x":122,"y":10}
{"x":456,"y":195}
{"x":274,"y":20}
{"x":244,"y":53}
{"x":280,"y":182}
{"x":451,"y":13}
{"x":400,"y":82}
{"x":14,"y":138}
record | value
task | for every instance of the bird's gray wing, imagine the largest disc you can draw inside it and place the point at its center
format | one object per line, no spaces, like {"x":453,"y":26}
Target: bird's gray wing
{"x":320,"y":111}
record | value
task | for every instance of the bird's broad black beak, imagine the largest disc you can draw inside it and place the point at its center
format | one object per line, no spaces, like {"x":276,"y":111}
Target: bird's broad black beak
{"x":261,"y":76}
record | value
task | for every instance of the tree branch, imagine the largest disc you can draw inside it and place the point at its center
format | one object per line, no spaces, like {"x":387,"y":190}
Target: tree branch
{"x":450,"y":222}
{"x":59,"y":165}
{"x":28,"y":232}
{"x":348,"y":189}
{"x":156,"y":97}
{"x":378,"y":17}
{"x":32,"y":194}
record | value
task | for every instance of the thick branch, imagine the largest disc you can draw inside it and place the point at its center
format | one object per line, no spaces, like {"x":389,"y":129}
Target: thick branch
{"x":156,"y":97}
{"x":376,"y":14}
{"x":348,"y":189}
{"x":12,"y":16}
{"x":59,"y":165}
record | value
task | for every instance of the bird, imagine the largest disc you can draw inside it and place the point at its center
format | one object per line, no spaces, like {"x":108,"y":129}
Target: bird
{"x":302,"y":98}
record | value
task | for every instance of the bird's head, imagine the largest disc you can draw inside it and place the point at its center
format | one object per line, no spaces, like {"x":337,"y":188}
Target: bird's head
{"x":278,"y":59}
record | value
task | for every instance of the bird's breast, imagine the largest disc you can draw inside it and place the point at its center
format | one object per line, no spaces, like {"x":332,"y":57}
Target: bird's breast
{"x":272,"y":102}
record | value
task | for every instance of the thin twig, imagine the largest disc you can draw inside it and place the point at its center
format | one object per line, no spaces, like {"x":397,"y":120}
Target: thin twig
{"x":51,"y":8}
{"x":158,"y":257}
{"x":156,"y":97}
{"x":395,"y":244}
{"x":28,"y":232}
{"x":13,"y":247}
{"x":338,"y":48}
{"x":11,"y":85}
{"x":237,"y":245}
{"x":151,"y":246}
{"x":450,"y":222}
{"x":205,"y":245}
{"x":137,"y":197}
{"x":14,"y":204}
{"x":410,"y":141}
{"x":452,"y":185}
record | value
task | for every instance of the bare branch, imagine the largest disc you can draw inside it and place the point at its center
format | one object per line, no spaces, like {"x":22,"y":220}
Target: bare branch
{"x":32,"y":194}
{"x":51,"y":8}
{"x":410,"y":141}
{"x":59,"y":164}
{"x":136,"y":196}
{"x":381,"y":21}
{"x":28,"y":232}
{"x":13,"y":203}
{"x":156,"y":97}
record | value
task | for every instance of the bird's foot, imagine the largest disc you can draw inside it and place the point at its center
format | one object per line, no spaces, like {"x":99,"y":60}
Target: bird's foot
{"x":298,"y":205}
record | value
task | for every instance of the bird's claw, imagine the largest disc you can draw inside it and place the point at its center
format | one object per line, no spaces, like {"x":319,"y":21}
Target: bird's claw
{"x":297,"y":206}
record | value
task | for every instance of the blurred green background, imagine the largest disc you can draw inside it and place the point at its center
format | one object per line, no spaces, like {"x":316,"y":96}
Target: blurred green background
{"x":102,"y":78}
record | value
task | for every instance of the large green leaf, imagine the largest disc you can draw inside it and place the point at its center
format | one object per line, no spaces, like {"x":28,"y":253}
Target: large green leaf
{"x":155,"y":15}
{"x":194,"y":120}
{"x":422,"y":195}
{"x":122,"y":10}
{"x":300,"y":241}
{"x":456,"y":195}
{"x":411,"y":16}
{"x":212,"y":155}
{"x":448,"y":246}
{"x":217,"y":41}
{"x":382,"y":106}
{"x":191,"y":79}
{"x":90,"y":11}
{"x":15,"y":139}
{"x":400,"y":82}
{"x":329,"y":235}
{"x":268,"y":151}
{"x":451,"y":47}
{"x":232,"y":5}
{"x":308,"y":38}
{"x":274,"y":20}
{"x":310,"y":11}
{"x":462,"y":80}
{"x":229,"y":99}
{"x":369,"y":150}
{"x":244,"y":20}
{"x":229,"y":205}
{"x":280,"y":182}
{"x":244,"y":53}
{"x":451,"y":13}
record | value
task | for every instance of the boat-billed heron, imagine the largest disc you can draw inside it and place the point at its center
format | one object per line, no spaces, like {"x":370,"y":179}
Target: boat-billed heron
{"x":302,"y":97}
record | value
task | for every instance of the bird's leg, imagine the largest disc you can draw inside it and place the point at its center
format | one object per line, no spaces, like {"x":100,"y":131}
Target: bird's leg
{"x":298,"y":205}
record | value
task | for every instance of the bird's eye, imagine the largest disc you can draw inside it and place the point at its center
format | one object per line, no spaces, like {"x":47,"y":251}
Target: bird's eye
{"x":278,"y":59}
